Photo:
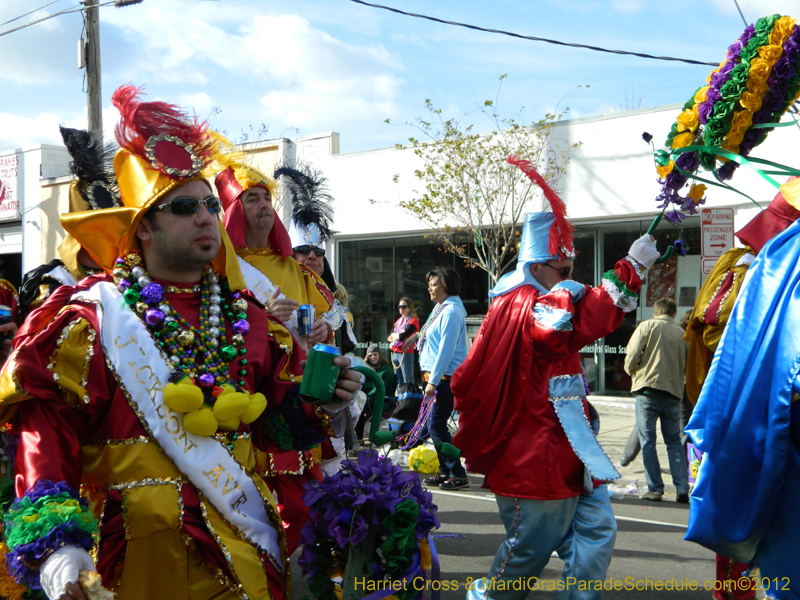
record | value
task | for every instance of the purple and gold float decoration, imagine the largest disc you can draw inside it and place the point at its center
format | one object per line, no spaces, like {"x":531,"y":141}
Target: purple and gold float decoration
{"x":724,"y":120}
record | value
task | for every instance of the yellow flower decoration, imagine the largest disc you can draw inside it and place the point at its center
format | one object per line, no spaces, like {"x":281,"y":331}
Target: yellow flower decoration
{"x":697,"y":191}
{"x":730,"y":148}
{"x":759,"y":69}
{"x":665,"y":170}
{"x":700,"y":95}
{"x":757,"y":87}
{"x":750,"y":101}
{"x":742,"y":120}
{"x":682,"y":140}
{"x":770,"y":53}
{"x":688,"y":120}
{"x":781,"y":30}
{"x":732,"y":140}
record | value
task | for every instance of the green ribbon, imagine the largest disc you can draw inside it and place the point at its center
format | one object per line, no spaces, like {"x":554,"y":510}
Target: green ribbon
{"x":770,"y":125}
{"x":778,"y":169}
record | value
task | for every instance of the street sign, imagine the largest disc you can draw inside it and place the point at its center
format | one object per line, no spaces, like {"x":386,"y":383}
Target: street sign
{"x":717,"y":233}
{"x":708,"y":264}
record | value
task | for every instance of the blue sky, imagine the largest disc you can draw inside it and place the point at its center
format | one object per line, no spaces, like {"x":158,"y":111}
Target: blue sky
{"x":302,"y":67}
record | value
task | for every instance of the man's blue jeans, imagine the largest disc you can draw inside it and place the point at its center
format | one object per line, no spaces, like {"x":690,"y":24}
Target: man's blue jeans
{"x":666,"y":407}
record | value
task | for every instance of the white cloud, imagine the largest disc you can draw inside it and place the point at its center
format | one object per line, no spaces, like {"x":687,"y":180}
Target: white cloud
{"x":18,"y":132}
{"x":303,"y":76}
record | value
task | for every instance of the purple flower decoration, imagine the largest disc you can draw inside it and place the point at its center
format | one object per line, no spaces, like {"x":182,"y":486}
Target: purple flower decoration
{"x":688,"y":161}
{"x":674,"y":216}
{"x":725,"y":172}
{"x":680,"y":247}
{"x":354,"y":507}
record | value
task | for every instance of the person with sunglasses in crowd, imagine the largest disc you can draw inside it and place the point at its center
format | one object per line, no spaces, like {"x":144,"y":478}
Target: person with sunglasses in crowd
{"x":524,"y":421}
{"x":402,"y":354}
{"x":139,"y":403}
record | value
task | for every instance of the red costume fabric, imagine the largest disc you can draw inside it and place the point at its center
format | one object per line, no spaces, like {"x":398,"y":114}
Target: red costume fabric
{"x":508,"y":430}
{"x":59,"y":431}
{"x":8,"y":297}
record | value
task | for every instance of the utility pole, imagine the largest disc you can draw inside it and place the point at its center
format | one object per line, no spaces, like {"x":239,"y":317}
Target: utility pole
{"x":91,"y":56}
{"x":93,"y":86}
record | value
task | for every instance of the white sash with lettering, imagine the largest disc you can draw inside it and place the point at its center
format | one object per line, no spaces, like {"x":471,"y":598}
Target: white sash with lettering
{"x":143,"y":371}
{"x":263,"y":288}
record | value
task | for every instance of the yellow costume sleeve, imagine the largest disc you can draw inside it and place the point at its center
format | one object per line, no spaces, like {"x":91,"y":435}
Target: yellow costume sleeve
{"x":62,"y":354}
{"x":711,"y":312}
{"x":295,"y":282}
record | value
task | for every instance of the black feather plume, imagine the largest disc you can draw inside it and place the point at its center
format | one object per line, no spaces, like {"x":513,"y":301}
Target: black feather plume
{"x":93,"y":166}
{"x":311,"y":201}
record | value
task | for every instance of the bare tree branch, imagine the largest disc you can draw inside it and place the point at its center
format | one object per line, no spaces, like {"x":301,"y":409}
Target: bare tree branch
{"x":469,"y":188}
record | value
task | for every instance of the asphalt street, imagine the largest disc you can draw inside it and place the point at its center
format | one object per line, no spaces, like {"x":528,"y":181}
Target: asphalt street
{"x":649,"y":548}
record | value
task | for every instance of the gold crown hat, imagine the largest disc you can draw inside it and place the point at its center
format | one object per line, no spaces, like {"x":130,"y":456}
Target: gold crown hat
{"x":233,"y":179}
{"x":161,"y":148}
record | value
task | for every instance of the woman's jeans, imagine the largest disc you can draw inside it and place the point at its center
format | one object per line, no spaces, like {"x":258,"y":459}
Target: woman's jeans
{"x":442,"y":409}
{"x":403,"y":363}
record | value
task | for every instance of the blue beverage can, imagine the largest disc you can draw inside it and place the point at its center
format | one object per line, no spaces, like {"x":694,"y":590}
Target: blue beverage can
{"x":306,"y":315}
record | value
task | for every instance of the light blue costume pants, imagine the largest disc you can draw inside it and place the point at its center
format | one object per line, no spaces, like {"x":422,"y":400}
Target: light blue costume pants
{"x":581,"y":529}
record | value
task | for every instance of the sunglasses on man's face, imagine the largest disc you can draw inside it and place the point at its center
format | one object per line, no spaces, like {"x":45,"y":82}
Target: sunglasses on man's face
{"x":189,"y":206}
{"x":306,"y":250}
{"x":565,"y":272}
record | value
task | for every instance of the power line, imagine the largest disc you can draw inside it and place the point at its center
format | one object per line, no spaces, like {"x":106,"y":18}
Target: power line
{"x":29,"y":13}
{"x":536,"y":39}
{"x":74,"y":9}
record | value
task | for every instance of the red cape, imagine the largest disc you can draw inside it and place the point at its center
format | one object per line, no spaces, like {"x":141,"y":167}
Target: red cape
{"x":489,"y":385}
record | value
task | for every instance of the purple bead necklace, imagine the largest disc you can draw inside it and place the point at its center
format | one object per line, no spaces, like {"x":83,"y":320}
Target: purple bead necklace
{"x":203,"y":354}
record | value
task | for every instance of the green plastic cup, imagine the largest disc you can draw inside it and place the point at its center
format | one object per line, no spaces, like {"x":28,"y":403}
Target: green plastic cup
{"x":320,"y":375}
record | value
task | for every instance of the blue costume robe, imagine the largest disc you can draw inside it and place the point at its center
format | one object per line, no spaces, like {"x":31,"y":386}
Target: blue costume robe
{"x":744,"y":503}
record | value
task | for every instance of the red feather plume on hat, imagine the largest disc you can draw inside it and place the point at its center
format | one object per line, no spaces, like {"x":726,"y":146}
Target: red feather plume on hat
{"x":171,"y":141}
{"x":561,"y":230}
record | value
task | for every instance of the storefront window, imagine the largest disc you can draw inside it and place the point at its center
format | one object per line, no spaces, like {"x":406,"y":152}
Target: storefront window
{"x":377,"y":273}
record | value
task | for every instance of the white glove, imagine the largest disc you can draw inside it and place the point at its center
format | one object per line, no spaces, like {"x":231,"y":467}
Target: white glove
{"x":644,"y":251}
{"x":62,"y":567}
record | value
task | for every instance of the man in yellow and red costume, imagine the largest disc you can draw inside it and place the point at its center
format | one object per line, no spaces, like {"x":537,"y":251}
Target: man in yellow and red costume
{"x":147,"y":388}
{"x":524,"y":419}
{"x":264,"y":252}
{"x":263,"y":245}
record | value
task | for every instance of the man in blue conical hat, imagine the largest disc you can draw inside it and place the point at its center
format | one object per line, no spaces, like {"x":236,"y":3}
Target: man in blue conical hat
{"x":524,"y":419}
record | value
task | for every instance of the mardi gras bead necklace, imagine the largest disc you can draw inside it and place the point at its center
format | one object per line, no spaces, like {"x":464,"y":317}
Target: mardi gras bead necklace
{"x":201,"y":353}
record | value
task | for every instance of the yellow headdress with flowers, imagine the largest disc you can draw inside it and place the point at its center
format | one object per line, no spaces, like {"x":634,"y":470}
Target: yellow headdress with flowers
{"x":161,"y":148}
